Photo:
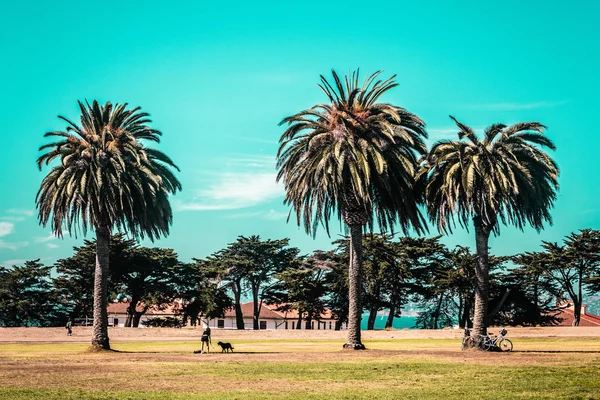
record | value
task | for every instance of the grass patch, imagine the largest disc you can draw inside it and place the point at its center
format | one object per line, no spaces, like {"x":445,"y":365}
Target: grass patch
{"x":562,"y":368}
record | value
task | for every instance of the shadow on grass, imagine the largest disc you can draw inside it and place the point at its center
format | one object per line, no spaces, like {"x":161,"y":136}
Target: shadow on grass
{"x":200,"y":354}
{"x":559,"y":351}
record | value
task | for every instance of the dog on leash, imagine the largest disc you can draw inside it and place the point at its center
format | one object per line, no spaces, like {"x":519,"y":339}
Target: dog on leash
{"x":225,"y":347}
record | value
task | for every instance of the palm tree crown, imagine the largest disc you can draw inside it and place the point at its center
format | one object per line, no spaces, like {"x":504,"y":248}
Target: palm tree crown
{"x":107,"y":177}
{"x":352,"y":156}
{"x":505,"y":176}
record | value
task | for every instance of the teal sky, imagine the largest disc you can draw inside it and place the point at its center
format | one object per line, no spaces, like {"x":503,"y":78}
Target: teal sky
{"x":218,"y":78}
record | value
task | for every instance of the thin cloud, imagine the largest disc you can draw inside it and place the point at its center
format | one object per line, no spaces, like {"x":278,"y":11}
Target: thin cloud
{"x":10,"y":263}
{"x":234,"y":191}
{"x":509,"y":106}
{"x":53,"y":246}
{"x":6,"y":228}
{"x":245,"y":181}
{"x":271,"y":215}
{"x":442,"y":133}
{"x":447,"y":133}
{"x":12,"y":218}
{"x":12,"y":245}
{"x":21,"y":211}
{"x":44,"y":239}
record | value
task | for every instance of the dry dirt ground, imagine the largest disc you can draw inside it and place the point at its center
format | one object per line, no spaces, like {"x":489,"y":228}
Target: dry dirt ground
{"x":158,"y":363}
{"x":83,"y":334}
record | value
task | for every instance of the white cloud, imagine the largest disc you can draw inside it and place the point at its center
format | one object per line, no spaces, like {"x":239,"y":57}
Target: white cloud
{"x":235,"y":190}
{"x":6,"y":228}
{"x":44,"y":239}
{"x":21,"y":211}
{"x":52,"y":245}
{"x":245,"y":181}
{"x":271,"y":215}
{"x":447,"y":133}
{"x":443,"y":133}
{"x":12,"y":218}
{"x":12,"y":245}
{"x":508,"y":106}
{"x":10,"y":263}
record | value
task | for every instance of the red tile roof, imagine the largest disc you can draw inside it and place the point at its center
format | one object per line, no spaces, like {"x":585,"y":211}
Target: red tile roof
{"x":268,"y":311}
{"x":165,"y":309}
{"x":566,"y":316}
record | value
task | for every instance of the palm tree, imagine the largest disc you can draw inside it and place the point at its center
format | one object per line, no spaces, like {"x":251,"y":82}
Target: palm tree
{"x":356,"y":158}
{"x":106,"y":179}
{"x":506,"y":177}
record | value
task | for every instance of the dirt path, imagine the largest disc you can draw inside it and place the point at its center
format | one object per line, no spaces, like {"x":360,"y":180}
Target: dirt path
{"x":83,"y":334}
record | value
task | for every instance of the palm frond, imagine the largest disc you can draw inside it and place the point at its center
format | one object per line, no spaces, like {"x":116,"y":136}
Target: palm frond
{"x":107,"y":177}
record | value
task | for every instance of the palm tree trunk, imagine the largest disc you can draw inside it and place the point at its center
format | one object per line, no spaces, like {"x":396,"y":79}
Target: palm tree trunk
{"x":354,"y":274}
{"x":100,"y":328}
{"x":482,"y":290}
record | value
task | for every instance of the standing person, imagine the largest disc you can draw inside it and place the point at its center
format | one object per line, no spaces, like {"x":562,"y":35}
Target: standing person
{"x":205,"y":339}
{"x":69,"y":327}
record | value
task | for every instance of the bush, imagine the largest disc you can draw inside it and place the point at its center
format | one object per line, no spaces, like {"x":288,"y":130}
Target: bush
{"x":167,"y":322}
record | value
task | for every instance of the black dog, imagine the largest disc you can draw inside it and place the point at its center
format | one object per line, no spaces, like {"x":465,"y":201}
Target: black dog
{"x":225,"y":347}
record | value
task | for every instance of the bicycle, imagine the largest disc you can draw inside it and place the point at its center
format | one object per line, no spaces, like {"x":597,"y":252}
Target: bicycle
{"x":487,"y":343}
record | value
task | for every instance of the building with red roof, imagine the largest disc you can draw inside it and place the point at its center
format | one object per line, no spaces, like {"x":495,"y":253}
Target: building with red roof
{"x":271,"y":316}
{"x":566,"y":316}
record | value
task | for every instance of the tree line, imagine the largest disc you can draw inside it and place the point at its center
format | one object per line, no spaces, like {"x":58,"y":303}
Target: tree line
{"x":524,"y":290}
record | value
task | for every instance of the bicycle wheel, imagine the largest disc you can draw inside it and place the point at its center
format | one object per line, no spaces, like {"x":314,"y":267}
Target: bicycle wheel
{"x":484,"y":343}
{"x":505,"y":345}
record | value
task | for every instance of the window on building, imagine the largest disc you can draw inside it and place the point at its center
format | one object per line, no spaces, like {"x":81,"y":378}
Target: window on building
{"x":116,"y":322}
{"x":312,"y":325}
{"x":263,"y":324}
{"x":329,"y":324}
{"x":286,"y":324}
{"x":220,"y":323}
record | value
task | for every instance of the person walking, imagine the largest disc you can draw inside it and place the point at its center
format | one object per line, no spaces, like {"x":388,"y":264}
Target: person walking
{"x":69,"y":327}
{"x":205,"y":339}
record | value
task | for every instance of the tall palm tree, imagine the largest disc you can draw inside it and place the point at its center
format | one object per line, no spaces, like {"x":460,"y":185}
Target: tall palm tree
{"x":506,"y":177}
{"x":355,"y":158}
{"x":106,"y":179}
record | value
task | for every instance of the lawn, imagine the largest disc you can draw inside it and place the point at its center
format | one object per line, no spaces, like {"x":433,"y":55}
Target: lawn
{"x":540,"y":368}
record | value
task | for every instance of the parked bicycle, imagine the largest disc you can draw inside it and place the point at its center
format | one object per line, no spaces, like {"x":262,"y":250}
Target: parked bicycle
{"x":485,"y":342}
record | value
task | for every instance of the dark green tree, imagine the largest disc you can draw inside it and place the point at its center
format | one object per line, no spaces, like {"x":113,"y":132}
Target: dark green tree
{"x":201,"y":291}
{"x":229,"y":265}
{"x":107,"y":179}
{"x":532,"y":289}
{"x":303,"y":287}
{"x":27,"y":297}
{"x":573,"y":265}
{"x":145,"y":276}
{"x":260,"y":261}
{"x":337,"y":284}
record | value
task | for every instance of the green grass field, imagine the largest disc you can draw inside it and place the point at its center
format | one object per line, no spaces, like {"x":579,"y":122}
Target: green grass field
{"x":545,"y":368}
